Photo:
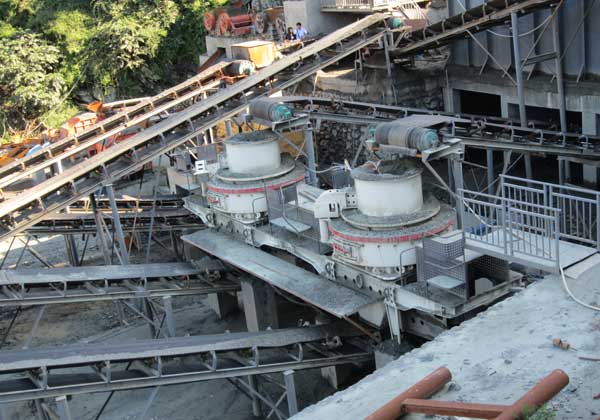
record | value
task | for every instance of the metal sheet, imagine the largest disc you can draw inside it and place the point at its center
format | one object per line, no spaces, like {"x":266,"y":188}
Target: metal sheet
{"x":327,"y":295}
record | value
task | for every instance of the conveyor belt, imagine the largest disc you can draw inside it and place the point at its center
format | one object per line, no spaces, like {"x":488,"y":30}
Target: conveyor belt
{"x":141,"y":113}
{"x":32,"y":205}
{"x":77,"y":369}
{"x":318,"y":291}
{"x":476,"y":19}
{"x":473,"y":130}
{"x":34,"y":286}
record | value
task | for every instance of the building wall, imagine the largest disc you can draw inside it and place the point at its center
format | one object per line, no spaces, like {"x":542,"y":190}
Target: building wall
{"x":308,"y":12}
{"x":579,"y":39}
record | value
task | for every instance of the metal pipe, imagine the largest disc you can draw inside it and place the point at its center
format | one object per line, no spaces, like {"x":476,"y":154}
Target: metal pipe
{"x":425,"y":388}
{"x":537,"y":396}
{"x":451,"y":408}
{"x":517,"y":53}
{"x":562,"y":106}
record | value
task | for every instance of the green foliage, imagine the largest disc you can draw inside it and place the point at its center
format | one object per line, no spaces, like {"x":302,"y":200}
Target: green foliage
{"x":30,"y":84}
{"x":543,"y":413}
{"x":100,"y":48}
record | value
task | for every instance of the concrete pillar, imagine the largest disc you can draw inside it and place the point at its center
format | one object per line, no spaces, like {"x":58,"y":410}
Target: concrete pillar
{"x":222,"y":303}
{"x":259,"y":305}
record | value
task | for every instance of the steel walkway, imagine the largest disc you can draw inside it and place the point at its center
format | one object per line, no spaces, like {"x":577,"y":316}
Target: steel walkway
{"x":489,"y":14}
{"x":32,"y":205}
{"x":77,"y":369}
{"x":34,"y":286}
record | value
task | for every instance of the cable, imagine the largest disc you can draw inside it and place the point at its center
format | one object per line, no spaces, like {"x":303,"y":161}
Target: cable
{"x":575,"y":298}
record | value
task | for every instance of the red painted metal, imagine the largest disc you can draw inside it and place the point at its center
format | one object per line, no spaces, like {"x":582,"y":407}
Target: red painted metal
{"x":537,"y":396}
{"x":413,"y":400}
{"x":425,"y":388}
{"x":451,"y":408}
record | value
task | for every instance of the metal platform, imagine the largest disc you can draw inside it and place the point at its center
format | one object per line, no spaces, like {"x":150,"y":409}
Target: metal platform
{"x":318,"y":291}
{"x":569,"y":252}
{"x":34,"y":286}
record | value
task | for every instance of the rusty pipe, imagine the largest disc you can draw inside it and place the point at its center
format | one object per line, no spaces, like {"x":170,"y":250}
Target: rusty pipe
{"x":537,"y":396}
{"x":425,"y":388}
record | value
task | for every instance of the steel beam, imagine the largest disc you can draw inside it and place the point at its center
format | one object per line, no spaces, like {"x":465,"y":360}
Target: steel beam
{"x":519,"y":72}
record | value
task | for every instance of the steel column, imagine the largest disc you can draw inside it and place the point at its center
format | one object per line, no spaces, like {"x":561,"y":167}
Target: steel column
{"x":100,"y":230}
{"x":559,"y":74}
{"x":170,"y":321}
{"x":117,"y":225}
{"x":228,"y":128}
{"x":517,"y":59}
{"x":290,"y":389}
{"x":490,"y":170}
{"x":310,"y":154}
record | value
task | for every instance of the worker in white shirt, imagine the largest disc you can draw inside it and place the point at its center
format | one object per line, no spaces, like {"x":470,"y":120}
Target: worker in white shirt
{"x":300,"y":32}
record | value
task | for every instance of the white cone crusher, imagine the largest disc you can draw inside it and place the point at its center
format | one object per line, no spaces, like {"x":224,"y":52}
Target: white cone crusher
{"x":377,"y":226}
{"x":254,"y":165}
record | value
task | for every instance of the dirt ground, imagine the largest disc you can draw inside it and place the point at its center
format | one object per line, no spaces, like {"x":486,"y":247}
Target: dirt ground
{"x":99,"y":322}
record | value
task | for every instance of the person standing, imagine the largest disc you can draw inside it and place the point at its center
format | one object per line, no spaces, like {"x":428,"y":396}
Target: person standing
{"x":301,"y":33}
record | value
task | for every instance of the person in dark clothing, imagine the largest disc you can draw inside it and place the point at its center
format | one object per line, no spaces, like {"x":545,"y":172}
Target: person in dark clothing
{"x":290,"y":35}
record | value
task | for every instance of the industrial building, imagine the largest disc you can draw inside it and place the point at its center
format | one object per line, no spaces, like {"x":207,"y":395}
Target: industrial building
{"x":396,"y":215}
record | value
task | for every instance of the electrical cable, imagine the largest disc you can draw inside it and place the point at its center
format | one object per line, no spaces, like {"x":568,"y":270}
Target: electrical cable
{"x":570,"y":293}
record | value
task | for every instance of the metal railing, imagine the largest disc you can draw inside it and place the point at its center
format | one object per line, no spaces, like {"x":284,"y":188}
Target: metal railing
{"x":579,"y":206}
{"x":362,"y":4}
{"x":517,"y":229}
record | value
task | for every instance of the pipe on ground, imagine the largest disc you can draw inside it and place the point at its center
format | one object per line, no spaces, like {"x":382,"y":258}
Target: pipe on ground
{"x":425,"y":388}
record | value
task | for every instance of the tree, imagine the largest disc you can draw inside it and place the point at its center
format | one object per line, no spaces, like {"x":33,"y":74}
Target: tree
{"x":30,"y":82}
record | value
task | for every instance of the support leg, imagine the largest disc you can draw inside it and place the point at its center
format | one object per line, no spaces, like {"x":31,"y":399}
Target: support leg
{"x":490,"y":170}
{"x":71,"y":247}
{"x":256,"y":408}
{"x":117,"y":225}
{"x":149,"y":402}
{"x":34,"y":329}
{"x":100,"y":230}
{"x":149,"y":313}
{"x":259,"y":305}
{"x":457,"y":174}
{"x":228,"y":128}
{"x":562,"y":106}
{"x":62,"y":407}
{"x":170,"y":321}
{"x":290,"y":389}
{"x":222,"y":303}
{"x":310,"y":154}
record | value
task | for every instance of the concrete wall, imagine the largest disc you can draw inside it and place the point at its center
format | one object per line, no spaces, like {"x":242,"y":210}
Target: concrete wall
{"x":215,"y":42}
{"x":540,"y":91}
{"x":316,"y":22}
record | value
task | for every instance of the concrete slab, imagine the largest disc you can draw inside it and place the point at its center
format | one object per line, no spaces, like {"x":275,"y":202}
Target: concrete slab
{"x":494,"y":357}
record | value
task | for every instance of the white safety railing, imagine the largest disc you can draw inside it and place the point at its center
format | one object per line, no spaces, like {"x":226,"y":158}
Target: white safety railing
{"x":518,"y":229}
{"x":579,"y":206}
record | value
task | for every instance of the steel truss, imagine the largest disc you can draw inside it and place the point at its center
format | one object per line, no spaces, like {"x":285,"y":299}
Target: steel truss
{"x":34,"y":286}
{"x":106,"y":167}
{"x":78,"y":369}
